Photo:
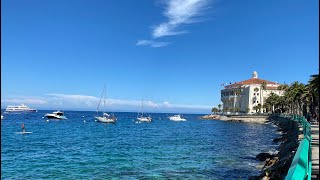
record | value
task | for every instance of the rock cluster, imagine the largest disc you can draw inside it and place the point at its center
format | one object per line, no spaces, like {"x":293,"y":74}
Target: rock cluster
{"x":276,"y":166}
{"x":239,"y":118}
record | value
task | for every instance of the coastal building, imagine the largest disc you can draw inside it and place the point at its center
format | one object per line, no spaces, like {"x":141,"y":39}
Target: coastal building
{"x":243,"y":96}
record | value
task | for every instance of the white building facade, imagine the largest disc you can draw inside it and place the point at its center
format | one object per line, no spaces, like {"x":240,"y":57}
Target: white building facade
{"x":244,"y":95}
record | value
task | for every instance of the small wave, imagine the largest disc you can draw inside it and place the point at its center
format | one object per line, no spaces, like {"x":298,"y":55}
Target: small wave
{"x":273,"y":151}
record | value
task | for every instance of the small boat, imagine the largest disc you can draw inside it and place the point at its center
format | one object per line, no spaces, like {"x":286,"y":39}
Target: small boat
{"x":176,"y":118}
{"x":1,"y":117}
{"x":105,"y":118}
{"x":143,"y":118}
{"x":55,"y":115}
{"x":19,"y":109}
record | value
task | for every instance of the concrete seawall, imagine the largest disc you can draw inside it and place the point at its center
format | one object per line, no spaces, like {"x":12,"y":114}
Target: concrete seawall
{"x":277,"y":166}
{"x":237,"y":118}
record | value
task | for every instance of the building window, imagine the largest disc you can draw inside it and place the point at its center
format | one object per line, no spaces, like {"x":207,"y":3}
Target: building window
{"x":257,"y":101}
{"x":257,"y":94}
{"x":254,"y":94}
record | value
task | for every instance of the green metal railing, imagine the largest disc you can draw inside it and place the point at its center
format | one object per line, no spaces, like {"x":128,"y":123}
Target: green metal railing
{"x":300,"y":168}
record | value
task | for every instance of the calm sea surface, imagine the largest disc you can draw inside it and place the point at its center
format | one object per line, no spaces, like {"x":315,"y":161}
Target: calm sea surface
{"x":80,"y":148}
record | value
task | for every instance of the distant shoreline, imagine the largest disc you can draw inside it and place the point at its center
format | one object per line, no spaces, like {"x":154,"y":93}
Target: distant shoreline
{"x":118,"y":111}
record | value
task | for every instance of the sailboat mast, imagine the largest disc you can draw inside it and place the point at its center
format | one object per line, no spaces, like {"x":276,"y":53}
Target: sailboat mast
{"x":100,"y":99}
{"x":142,"y":108}
{"x":104,"y":101}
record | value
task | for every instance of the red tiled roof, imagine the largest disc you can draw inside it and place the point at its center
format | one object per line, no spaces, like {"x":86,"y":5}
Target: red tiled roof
{"x":250,"y":81}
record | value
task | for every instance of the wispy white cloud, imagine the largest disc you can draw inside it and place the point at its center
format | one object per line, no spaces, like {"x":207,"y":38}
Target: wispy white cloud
{"x":179,"y":12}
{"x":151,"y":43}
{"x":167,"y":104}
{"x":78,"y":101}
{"x":24,"y":100}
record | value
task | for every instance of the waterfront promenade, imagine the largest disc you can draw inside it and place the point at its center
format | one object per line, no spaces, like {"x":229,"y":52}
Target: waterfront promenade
{"x":315,"y":151}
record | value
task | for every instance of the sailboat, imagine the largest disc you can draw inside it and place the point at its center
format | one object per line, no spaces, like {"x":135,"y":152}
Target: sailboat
{"x":105,"y":118}
{"x":143,"y":118}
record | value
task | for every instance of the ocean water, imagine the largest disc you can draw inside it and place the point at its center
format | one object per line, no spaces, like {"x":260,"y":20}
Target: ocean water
{"x":81,"y":148}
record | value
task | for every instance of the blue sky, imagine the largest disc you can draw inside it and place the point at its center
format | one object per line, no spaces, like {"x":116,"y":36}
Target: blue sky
{"x":174,"y":54}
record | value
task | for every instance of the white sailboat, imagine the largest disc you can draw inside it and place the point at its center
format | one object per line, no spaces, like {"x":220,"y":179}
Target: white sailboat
{"x":142,"y":118}
{"x":105,"y":118}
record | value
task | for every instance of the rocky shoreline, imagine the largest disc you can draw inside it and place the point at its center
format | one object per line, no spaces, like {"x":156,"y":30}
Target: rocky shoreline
{"x":276,"y":166}
{"x":240,"y":118}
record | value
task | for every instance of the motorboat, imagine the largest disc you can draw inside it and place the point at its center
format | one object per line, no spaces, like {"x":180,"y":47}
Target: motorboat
{"x":19,"y":109}
{"x":55,"y":115}
{"x":177,"y":118}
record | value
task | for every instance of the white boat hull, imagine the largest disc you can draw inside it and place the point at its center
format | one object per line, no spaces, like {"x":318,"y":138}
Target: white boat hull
{"x":54,"y":116}
{"x":177,"y":119}
{"x":144,"y":119}
{"x":19,"y":109}
{"x":105,"y":119}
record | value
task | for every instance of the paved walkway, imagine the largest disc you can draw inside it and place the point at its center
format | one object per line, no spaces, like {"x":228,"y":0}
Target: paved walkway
{"x":315,"y":151}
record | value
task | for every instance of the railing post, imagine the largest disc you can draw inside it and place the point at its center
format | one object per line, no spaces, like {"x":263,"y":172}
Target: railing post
{"x":293,"y":172}
{"x":304,"y":127}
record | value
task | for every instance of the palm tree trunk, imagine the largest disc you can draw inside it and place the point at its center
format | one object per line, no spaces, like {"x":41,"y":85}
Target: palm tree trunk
{"x":261,"y":100}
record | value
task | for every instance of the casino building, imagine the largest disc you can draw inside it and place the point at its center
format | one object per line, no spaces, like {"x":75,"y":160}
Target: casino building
{"x":244,"y":95}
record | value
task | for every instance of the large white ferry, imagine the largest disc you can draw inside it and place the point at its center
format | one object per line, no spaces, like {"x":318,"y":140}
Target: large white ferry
{"x":20,"y":108}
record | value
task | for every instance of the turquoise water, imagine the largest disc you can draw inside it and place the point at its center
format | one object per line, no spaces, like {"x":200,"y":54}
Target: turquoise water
{"x":162,"y":149}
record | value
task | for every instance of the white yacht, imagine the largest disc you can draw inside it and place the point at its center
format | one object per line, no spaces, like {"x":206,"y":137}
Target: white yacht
{"x":19,"y":108}
{"x":55,"y":115}
{"x":1,"y":117}
{"x":176,"y":118}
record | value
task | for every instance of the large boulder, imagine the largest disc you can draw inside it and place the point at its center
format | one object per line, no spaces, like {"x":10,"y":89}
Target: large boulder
{"x":264,"y":156}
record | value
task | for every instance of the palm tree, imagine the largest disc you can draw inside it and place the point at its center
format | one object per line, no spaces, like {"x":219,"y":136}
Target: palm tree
{"x":259,"y":107}
{"x":262,"y":88}
{"x":294,"y":97}
{"x":314,"y":90}
{"x":255,"y":108}
{"x":219,"y":106}
{"x":238,"y":94}
{"x":297,"y":98}
{"x":283,"y":87}
{"x":226,"y":109}
{"x":272,"y":101}
{"x":214,"y":110}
